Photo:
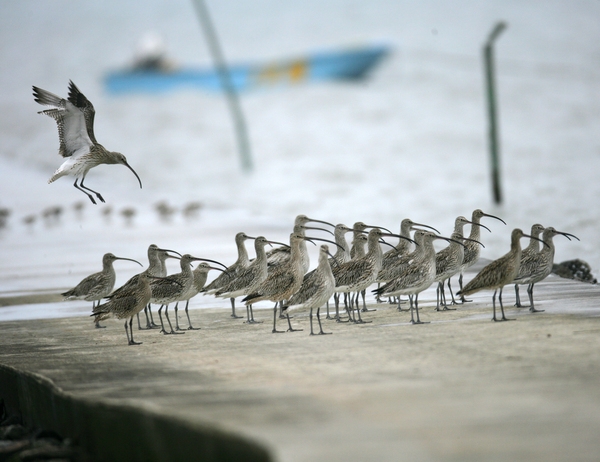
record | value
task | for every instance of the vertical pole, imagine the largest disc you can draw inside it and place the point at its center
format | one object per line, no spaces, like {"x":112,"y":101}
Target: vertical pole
{"x":227,"y":85}
{"x":488,"y":53}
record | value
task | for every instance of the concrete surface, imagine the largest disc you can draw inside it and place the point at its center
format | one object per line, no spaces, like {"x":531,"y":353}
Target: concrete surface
{"x":458,"y":389}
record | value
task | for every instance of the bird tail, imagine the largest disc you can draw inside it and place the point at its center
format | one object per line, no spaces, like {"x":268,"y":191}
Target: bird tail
{"x":68,"y":294}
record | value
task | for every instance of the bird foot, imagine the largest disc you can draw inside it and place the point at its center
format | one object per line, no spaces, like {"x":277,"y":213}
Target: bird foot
{"x":464,"y":300}
{"x":131,"y":342}
{"x":294,"y":330}
{"x":175,"y":332}
{"x":162,"y":331}
{"x":193,"y":328}
{"x":419,"y":322}
{"x":322,"y":333}
{"x":252,"y":321}
{"x":100,"y":197}
{"x":503,"y":319}
{"x":533,"y":310}
{"x":342,"y":320}
{"x":275,"y":331}
{"x":235,"y":316}
{"x":98,"y":326}
{"x":365,"y":310}
{"x":445,"y":308}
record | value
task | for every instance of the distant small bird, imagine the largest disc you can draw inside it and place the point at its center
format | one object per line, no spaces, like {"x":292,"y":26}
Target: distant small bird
{"x":75,"y":119}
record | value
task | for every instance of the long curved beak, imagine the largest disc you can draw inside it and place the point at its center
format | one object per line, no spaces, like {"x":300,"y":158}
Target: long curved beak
{"x":527,"y":235}
{"x":449,"y":240}
{"x":386,"y":243}
{"x":279,"y":243}
{"x":136,"y":175}
{"x":425,"y":226}
{"x":310,"y":239}
{"x":473,"y":240}
{"x":399,"y":236}
{"x":128,"y":259}
{"x":174,"y":251}
{"x":568,"y":235}
{"x":320,"y":229}
{"x":218,"y":269}
{"x":209,"y":260}
{"x":483,"y":226}
{"x":493,"y":216}
{"x":380,"y":227}
{"x":321,"y":221}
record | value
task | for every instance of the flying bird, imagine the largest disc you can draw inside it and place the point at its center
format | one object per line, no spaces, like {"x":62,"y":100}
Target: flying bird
{"x":75,"y":119}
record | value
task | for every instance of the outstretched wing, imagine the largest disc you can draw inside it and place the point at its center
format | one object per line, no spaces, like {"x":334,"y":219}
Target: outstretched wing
{"x":72,"y":132}
{"x":79,"y":100}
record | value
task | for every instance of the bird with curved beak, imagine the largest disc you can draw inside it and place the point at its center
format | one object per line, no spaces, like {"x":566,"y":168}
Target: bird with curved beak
{"x":74,"y":117}
{"x":174,"y":287}
{"x":96,"y":286}
{"x":283,"y":281}
{"x":418,"y":274}
{"x":358,"y":274}
{"x":498,"y":273}
{"x":317,"y":288}
{"x":537,"y":266}
{"x":248,"y":277}
{"x":472,"y":249}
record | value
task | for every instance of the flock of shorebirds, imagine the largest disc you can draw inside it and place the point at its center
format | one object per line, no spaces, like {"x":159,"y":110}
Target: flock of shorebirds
{"x":281,"y":275}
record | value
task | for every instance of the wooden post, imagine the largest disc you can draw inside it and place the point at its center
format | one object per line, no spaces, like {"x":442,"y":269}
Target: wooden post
{"x":488,"y":53}
{"x":225,"y":77}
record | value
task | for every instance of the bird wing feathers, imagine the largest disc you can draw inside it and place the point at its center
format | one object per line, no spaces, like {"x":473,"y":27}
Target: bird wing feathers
{"x":72,"y":132}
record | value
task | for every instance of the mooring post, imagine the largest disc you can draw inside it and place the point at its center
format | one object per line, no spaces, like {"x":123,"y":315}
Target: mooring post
{"x":488,"y":53}
{"x":227,"y":84}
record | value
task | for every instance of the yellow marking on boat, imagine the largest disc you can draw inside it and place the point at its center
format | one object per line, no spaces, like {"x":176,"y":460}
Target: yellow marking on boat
{"x":298,"y":70}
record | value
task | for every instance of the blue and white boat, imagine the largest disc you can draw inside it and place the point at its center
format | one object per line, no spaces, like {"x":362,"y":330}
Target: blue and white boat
{"x":348,"y":64}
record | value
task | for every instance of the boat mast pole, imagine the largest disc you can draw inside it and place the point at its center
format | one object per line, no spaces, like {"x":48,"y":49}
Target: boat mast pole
{"x":227,"y":84}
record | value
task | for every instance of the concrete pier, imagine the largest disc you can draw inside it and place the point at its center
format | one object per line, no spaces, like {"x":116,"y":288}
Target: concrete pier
{"x":460,"y":388}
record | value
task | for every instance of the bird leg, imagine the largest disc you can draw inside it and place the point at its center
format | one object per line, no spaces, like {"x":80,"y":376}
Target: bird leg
{"x":97,"y":321}
{"x":85,"y":188}
{"x":252,"y":320}
{"x":363,"y":294}
{"x":451,"y":294}
{"x":151,"y":324}
{"x":319,"y":321}
{"x":291,"y":329}
{"x":162,"y":326}
{"x":517,"y":297}
{"x":504,"y":318}
{"x":233,"y":315}
{"x":358,"y":310}
{"x":338,"y":318}
{"x":328,"y":316}
{"x":442,"y":298}
{"x":190,"y":327}
{"x":275,"y":331}
{"x":460,"y":284}
{"x":281,"y":315}
{"x":176,"y":317}
{"x":418,"y":321}
{"x":130,"y":341}
{"x":84,"y":192}
{"x":530,"y":292}
{"x":169,"y":321}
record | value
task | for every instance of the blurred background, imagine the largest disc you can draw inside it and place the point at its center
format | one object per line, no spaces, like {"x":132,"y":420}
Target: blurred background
{"x":410,"y":140}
